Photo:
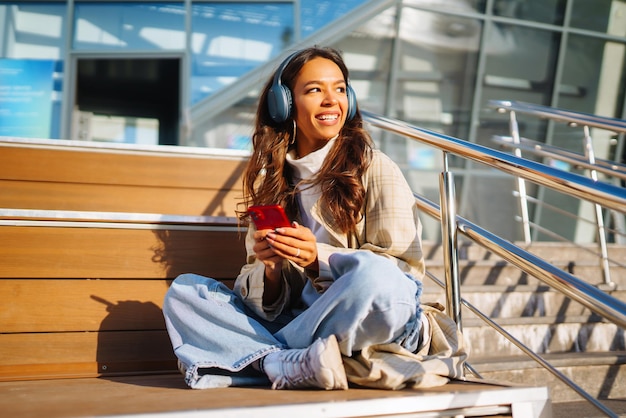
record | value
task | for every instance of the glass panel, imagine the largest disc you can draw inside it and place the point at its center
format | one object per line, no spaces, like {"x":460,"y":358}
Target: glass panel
{"x":463,"y":6}
{"x":230,"y":39}
{"x":599,"y":15}
{"x":543,"y":11}
{"x":316,"y":14}
{"x":117,"y":129}
{"x":594,"y":83}
{"x":122,"y":92}
{"x":32,"y":30}
{"x":28,"y":102}
{"x":435,"y":84}
{"x":367,"y":53}
{"x":31,"y":78}
{"x":129,"y":26}
{"x":230,"y":129}
{"x":520,"y":66}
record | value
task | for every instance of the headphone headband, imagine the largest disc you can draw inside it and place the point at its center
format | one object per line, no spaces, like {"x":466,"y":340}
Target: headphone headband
{"x":279,"y":72}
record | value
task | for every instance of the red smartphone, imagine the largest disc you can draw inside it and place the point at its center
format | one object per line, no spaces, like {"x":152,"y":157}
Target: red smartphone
{"x":269,"y":217}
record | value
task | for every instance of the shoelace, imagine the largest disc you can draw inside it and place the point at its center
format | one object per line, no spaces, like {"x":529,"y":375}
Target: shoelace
{"x":296,"y":369}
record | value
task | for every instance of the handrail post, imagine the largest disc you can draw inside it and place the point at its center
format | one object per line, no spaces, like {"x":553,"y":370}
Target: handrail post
{"x":449,"y":243}
{"x":604,"y":261}
{"x":521,"y":184}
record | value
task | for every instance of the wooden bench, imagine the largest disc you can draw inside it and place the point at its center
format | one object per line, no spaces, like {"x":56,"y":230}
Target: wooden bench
{"x":90,"y":239}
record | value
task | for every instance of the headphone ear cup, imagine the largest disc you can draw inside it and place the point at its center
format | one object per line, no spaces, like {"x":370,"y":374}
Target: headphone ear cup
{"x":279,"y":103}
{"x":351,"y":102}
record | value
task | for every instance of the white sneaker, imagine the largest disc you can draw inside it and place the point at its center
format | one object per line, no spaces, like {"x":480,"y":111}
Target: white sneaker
{"x":318,"y":366}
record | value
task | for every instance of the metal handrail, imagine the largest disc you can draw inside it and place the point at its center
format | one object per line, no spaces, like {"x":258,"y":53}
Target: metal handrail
{"x":573,"y":118}
{"x":610,"y":168}
{"x":582,"y":187}
{"x":608,"y":195}
{"x":568,"y":116}
{"x":593,"y":298}
{"x":531,"y":265}
{"x":570,"y":215}
{"x":574,"y":184}
{"x":528,"y":351}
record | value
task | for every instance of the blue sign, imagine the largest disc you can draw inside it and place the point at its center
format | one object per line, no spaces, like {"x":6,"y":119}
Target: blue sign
{"x":26,"y":97}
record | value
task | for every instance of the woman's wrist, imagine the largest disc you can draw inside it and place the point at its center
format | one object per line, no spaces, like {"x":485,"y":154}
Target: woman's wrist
{"x":272,"y":285}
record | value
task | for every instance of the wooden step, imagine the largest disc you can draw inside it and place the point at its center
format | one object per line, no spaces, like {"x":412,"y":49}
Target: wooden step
{"x":167,"y":396}
{"x":86,"y":301}
{"x":128,"y":251}
{"x":171,"y":181}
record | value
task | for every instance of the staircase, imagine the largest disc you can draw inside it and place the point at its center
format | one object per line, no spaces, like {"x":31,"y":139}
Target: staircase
{"x":587,"y":349}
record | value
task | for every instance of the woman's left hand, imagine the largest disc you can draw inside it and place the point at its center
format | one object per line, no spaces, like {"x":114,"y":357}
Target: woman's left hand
{"x":297,"y":244}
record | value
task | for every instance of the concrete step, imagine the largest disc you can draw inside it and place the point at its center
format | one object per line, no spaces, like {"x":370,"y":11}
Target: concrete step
{"x":602,"y":374}
{"x":542,"y":319}
{"x":500,"y":272}
{"x":500,"y":301}
{"x":549,"y":251}
{"x":543,"y":335}
{"x":589,"y":350}
{"x":572,"y":409}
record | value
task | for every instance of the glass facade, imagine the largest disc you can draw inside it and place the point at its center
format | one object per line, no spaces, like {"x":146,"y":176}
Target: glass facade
{"x":32,"y":51}
{"x":128,"y":26}
{"x":199,"y":65}
{"x":228,"y":40}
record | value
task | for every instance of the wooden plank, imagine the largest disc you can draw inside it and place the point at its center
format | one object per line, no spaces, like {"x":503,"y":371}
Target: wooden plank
{"x":115,"y":198}
{"x":63,"y":305}
{"x":121,"y":168}
{"x":167,"y":395}
{"x":53,"y":355}
{"x":56,"y":305}
{"x":91,"y":369}
{"x":60,"y":252}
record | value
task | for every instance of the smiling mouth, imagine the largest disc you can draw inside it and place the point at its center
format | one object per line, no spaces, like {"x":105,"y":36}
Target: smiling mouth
{"x":328,"y":117}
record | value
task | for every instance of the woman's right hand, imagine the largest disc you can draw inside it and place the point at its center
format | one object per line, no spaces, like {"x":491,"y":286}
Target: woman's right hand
{"x":265,"y":253}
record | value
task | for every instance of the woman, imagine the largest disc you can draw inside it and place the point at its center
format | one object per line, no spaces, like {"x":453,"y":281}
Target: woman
{"x":345,"y":276}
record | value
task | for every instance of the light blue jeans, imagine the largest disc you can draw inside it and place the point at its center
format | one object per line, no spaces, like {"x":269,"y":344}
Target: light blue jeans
{"x":215,"y":336}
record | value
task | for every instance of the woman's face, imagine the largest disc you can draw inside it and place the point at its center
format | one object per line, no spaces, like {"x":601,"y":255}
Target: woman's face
{"x":321,"y":104}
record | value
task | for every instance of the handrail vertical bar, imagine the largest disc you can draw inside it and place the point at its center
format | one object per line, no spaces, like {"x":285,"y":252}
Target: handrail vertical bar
{"x":521,"y":184}
{"x":449,"y":243}
{"x":601,"y":231}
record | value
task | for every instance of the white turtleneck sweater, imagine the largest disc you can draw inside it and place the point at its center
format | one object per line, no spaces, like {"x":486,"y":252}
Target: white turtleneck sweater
{"x":305,"y":168}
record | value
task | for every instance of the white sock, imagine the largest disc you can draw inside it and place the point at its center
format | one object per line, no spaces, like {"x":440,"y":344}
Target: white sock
{"x":271,"y":365}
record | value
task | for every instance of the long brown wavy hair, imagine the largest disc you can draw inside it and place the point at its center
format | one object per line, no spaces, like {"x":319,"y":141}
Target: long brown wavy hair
{"x":267,"y":176}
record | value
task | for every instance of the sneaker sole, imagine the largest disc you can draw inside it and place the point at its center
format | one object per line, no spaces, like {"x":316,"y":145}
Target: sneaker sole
{"x":334,"y":372}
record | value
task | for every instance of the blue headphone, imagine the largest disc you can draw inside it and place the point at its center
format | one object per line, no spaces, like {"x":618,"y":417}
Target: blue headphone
{"x":279,"y":101}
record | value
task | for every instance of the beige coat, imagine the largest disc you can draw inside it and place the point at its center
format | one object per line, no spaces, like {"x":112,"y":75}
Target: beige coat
{"x":390,"y":227}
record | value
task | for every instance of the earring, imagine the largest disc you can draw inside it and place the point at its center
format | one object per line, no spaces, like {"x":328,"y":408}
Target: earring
{"x":293,"y":136}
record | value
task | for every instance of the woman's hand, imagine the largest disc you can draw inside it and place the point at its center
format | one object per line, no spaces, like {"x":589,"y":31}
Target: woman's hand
{"x":272,"y":247}
{"x":297,"y":244}
{"x":265,"y":253}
